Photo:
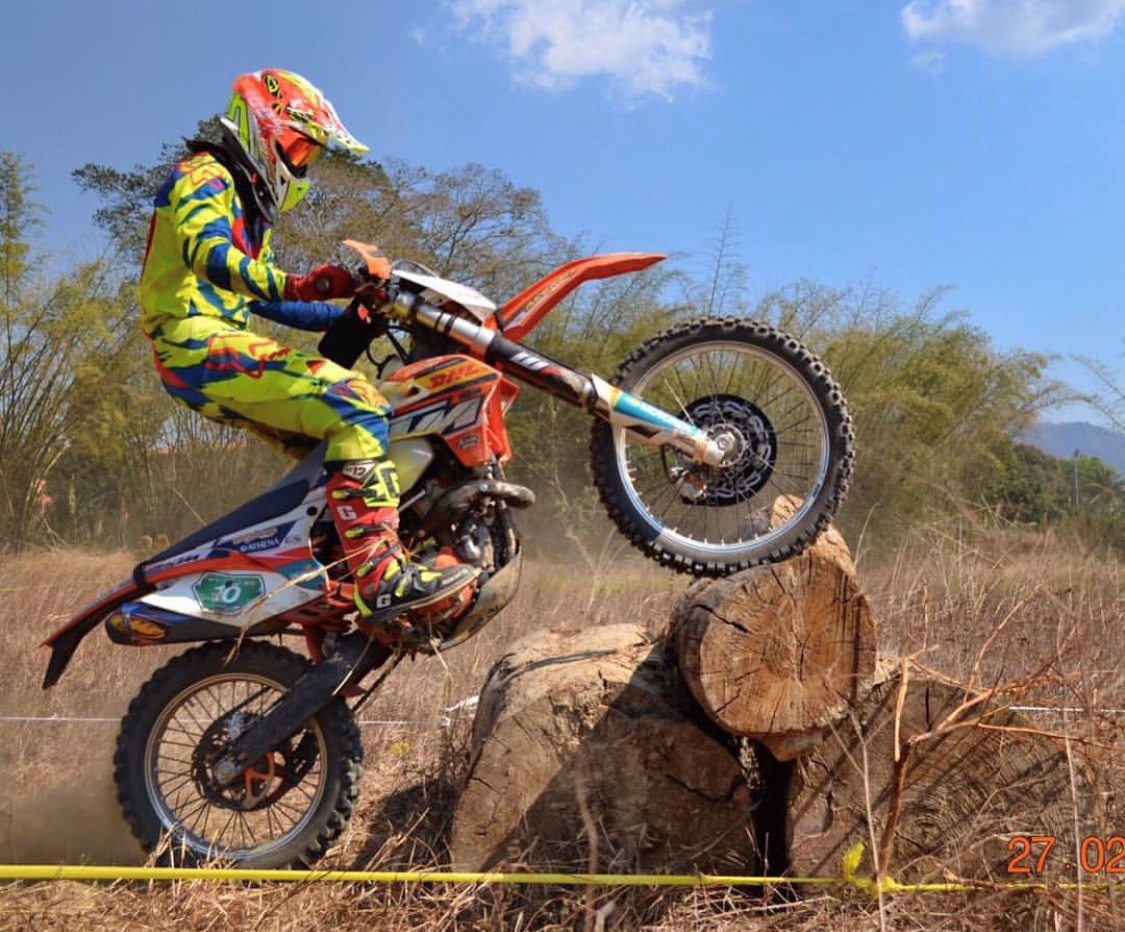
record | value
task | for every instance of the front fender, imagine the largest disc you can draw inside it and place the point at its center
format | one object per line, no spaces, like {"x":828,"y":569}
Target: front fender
{"x":523,"y":312}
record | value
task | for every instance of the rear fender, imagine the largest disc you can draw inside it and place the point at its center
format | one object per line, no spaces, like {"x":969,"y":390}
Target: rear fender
{"x":64,"y":642}
{"x":190,"y":603}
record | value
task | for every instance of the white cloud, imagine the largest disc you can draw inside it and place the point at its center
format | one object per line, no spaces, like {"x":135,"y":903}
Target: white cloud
{"x":1014,"y":27}
{"x":644,"y":47}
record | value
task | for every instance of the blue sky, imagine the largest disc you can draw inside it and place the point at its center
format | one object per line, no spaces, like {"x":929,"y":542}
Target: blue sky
{"x":978,"y":144}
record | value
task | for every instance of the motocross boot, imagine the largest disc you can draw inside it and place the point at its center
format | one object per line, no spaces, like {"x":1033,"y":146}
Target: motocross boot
{"x":362,"y":496}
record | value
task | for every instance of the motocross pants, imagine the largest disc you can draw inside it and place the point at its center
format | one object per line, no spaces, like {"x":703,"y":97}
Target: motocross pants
{"x":291,"y":399}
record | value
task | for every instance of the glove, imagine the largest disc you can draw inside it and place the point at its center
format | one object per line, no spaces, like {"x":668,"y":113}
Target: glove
{"x":321,"y":284}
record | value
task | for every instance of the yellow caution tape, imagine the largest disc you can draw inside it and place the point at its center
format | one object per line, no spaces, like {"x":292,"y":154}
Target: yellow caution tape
{"x":91,"y":872}
{"x":850,"y":864}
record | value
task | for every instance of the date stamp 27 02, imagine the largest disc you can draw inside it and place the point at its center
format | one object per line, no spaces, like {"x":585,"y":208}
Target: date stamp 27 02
{"x":1094,"y":854}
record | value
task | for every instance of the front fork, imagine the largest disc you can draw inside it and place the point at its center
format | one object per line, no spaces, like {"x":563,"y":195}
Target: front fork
{"x":643,"y":421}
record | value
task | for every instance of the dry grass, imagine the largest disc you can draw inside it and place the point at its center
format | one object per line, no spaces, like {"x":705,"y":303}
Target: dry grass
{"x":1031,"y":619}
{"x":1024,"y":610}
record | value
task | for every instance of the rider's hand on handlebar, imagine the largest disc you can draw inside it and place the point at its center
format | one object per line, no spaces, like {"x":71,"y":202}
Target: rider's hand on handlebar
{"x":321,"y":284}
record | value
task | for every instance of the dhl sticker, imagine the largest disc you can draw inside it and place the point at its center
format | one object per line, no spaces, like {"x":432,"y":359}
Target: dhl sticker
{"x":452,"y":376}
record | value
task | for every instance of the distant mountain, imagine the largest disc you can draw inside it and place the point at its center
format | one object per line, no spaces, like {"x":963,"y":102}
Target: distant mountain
{"x":1062,"y":440}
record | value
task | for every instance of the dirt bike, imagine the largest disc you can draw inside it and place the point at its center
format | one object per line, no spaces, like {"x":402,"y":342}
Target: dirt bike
{"x":245,"y":751}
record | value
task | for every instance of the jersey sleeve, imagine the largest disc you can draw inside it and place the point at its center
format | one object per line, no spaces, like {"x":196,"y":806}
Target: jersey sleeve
{"x":202,"y":202}
{"x":317,"y":316}
{"x":303,"y":315}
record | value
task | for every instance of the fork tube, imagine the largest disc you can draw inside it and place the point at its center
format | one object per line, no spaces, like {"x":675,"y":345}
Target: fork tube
{"x":592,"y":394}
{"x":497,"y":350}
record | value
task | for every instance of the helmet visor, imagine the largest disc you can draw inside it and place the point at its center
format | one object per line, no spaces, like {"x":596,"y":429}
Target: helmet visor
{"x":302,"y":152}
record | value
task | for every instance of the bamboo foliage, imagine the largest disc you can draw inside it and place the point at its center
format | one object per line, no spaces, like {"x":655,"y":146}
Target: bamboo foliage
{"x":53,"y":333}
{"x":938,"y":410}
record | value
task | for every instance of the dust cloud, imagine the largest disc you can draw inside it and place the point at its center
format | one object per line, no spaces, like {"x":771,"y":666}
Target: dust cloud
{"x":76,"y":822}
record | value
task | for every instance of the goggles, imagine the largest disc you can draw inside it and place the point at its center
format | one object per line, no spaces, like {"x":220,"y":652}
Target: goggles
{"x":302,"y":152}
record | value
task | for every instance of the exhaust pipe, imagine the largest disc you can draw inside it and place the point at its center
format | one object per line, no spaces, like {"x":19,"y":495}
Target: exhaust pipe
{"x":460,"y":499}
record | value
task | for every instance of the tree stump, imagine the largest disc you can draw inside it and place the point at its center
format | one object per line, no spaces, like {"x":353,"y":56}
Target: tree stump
{"x":779,"y":653}
{"x":586,"y":752}
{"x":970,"y":775}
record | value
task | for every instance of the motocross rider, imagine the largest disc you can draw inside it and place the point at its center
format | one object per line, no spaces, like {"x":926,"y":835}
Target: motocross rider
{"x":209,"y":266}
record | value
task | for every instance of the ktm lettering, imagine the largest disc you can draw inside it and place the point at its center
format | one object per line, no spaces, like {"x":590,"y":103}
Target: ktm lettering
{"x":443,"y":419}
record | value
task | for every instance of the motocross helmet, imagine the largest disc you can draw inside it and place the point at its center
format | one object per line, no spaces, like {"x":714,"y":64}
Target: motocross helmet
{"x":283,"y":123}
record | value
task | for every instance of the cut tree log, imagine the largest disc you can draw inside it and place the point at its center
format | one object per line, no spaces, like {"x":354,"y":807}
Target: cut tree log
{"x":779,"y":653}
{"x":587,"y":753}
{"x":937,"y":780}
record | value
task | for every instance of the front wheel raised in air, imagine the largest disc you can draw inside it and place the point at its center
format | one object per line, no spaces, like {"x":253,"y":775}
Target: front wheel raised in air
{"x":773,"y":404}
{"x":286,"y":809}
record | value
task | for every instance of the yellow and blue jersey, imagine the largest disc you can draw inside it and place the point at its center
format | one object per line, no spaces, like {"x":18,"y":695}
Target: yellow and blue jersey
{"x":205,"y":258}
{"x":206,"y":270}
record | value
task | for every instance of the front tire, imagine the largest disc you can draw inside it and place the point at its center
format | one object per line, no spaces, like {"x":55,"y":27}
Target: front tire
{"x":784,"y":416}
{"x":285,"y":810}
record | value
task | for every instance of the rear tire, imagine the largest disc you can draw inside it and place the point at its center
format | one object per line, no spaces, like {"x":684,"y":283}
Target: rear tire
{"x":783,"y":412}
{"x":287,"y":812}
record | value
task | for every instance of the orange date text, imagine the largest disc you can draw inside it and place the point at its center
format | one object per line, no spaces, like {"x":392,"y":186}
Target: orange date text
{"x":1034,"y":854}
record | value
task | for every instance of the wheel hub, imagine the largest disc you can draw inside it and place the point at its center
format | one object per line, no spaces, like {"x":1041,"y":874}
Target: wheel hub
{"x":263,"y":782}
{"x":749,"y":442}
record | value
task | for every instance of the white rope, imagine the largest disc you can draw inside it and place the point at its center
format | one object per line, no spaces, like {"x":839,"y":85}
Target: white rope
{"x":43,"y":719}
{"x":444,"y":722}
{"x":473,"y":701}
{"x":1075,"y":709}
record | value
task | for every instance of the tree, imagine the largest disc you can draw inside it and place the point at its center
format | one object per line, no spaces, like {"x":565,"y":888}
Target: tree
{"x":53,"y":332}
{"x":1109,"y":402}
{"x":726,"y":292}
{"x":19,"y":217}
{"x":471,"y":224}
